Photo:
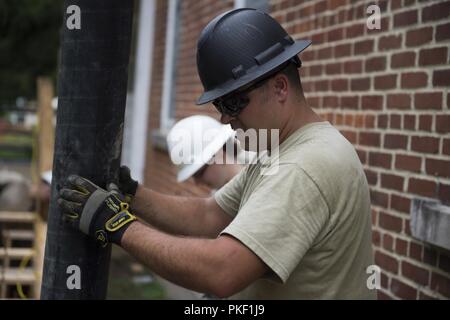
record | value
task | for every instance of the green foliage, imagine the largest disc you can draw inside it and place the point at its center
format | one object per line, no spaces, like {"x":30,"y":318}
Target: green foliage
{"x":29,"y":42}
{"x":121,"y":285}
{"x":15,"y":146}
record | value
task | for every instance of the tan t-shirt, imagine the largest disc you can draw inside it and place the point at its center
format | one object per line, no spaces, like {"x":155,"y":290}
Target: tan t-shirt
{"x":306,"y":213}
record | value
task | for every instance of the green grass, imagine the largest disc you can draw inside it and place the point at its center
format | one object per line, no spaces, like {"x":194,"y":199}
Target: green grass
{"x":21,"y":141}
{"x":122,"y":288}
{"x":14,"y":155}
{"x":121,"y":285}
{"x":16,"y":139}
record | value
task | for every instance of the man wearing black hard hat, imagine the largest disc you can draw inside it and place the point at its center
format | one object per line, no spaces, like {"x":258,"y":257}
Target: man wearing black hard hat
{"x":294,"y":225}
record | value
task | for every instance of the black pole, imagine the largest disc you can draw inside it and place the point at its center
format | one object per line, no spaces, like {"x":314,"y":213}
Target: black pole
{"x":91,"y":104}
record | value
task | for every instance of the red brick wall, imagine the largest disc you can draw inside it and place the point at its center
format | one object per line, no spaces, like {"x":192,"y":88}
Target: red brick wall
{"x":153,"y":159}
{"x":386,"y":90}
{"x":195,"y":14}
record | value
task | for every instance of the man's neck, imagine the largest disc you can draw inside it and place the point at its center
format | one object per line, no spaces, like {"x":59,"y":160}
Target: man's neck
{"x":299,"y":116}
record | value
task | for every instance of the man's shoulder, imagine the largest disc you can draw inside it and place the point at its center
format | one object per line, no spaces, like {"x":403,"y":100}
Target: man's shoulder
{"x":327,"y":157}
{"x":321,"y":146}
{"x":321,"y":153}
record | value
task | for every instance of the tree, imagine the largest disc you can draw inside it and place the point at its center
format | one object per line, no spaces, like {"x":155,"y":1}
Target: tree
{"x":29,"y":42}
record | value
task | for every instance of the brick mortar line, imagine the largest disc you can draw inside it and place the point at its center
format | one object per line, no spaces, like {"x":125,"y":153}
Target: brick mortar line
{"x":387,"y":71}
{"x":408,"y":239}
{"x":429,"y":88}
{"x":401,"y":258}
{"x":408,"y":150}
{"x":407,"y":175}
{"x":388,"y":54}
{"x":327,"y":13}
{"x":387,"y":111}
{"x":374,"y":112}
{"x":402,"y":152}
{"x":404,"y":132}
{"x":418,"y":287}
{"x":387,"y":13}
{"x":353,"y":40}
{"x":392,"y":212}
{"x":374,"y":35}
{"x":407,"y":178}
{"x":416,"y":264}
{"x":392,"y":152}
{"x":360,"y":93}
{"x":377,"y":36}
{"x":411,"y":175}
{"x":382,"y":132}
{"x":394,"y":131}
{"x":373,"y":74}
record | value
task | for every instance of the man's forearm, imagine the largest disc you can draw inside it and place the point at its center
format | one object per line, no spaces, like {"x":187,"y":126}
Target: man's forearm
{"x":193,"y":263}
{"x":173,"y":214}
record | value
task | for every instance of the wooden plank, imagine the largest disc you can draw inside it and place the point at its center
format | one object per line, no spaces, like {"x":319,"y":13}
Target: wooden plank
{"x":40,"y":228}
{"x":17,"y":216}
{"x":16,"y":253}
{"x":46,"y":136}
{"x":16,"y":275}
{"x":19,"y":234}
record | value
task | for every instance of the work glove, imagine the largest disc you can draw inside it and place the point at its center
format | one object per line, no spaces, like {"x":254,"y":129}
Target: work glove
{"x":101,"y":214}
{"x":127,"y":185}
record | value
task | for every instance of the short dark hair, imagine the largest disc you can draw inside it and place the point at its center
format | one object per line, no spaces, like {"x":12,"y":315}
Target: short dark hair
{"x":291,"y":72}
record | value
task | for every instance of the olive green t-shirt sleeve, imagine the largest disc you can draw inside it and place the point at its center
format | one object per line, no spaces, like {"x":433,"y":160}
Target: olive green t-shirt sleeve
{"x":229,"y":196}
{"x":281,"y":219}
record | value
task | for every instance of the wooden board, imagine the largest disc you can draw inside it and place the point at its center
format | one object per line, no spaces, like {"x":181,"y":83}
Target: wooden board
{"x":17,"y":216}
{"x":16,"y":275}
{"x":46,"y":137}
{"x":40,"y":228}
{"x":16,"y":253}
{"x":18,"y":234}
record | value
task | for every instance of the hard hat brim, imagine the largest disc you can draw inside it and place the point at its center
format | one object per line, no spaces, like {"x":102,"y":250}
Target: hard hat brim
{"x":234,"y":84}
{"x":47,"y":177}
{"x":189,"y":170}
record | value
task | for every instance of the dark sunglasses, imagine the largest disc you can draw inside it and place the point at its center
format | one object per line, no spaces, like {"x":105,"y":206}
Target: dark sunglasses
{"x":233,"y":103}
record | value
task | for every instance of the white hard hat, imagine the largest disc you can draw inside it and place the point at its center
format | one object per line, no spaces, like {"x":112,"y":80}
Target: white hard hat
{"x":193,"y":141}
{"x":47,"y":176}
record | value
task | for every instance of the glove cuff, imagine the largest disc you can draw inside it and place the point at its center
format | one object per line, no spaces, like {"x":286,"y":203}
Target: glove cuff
{"x":108,"y":228}
{"x":118,"y":224}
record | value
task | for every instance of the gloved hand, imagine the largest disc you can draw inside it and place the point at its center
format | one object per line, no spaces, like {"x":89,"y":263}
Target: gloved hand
{"x":127,"y":185}
{"x":101,"y":214}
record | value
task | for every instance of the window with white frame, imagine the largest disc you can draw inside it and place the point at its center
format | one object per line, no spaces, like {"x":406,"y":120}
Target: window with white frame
{"x":168,"y":104}
{"x":170,"y":60}
{"x":136,"y":112}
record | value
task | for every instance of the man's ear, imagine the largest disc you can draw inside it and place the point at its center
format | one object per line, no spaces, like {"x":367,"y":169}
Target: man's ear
{"x":281,"y":87}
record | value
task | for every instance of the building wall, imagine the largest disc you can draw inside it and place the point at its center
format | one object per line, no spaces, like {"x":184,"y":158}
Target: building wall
{"x":195,"y":14}
{"x":386,"y":90}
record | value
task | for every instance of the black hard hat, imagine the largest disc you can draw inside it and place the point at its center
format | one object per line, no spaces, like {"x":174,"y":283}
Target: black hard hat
{"x":239,"y":47}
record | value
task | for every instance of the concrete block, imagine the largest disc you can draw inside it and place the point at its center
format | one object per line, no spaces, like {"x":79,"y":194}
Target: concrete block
{"x":430,"y":222}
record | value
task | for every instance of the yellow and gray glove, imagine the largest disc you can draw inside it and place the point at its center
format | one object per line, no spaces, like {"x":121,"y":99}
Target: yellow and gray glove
{"x":101,"y":214}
